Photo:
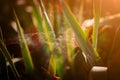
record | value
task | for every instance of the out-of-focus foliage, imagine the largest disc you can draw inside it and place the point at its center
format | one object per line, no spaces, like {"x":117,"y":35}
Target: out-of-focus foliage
{"x":54,"y":41}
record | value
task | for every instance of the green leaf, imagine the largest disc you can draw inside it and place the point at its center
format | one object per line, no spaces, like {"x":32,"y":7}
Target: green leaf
{"x":3,"y":67}
{"x":59,"y":64}
{"x":37,"y":19}
{"x":5,"y":52}
{"x":50,"y":34}
{"x":25,"y":51}
{"x":69,"y":44}
{"x":45,"y":27}
{"x":47,"y":20}
{"x":96,"y":11}
{"x":82,"y":40}
{"x":52,"y":64}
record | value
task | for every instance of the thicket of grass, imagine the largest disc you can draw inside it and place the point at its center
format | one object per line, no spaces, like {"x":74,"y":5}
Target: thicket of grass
{"x":60,"y":45}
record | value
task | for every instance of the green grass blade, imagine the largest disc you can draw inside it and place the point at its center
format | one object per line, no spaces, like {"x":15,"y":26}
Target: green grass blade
{"x":50,"y":34}
{"x":45,"y":28}
{"x":96,"y":12}
{"x":48,"y":23}
{"x":80,"y":35}
{"x":59,"y":65}
{"x":5,"y":52}
{"x":58,"y":22}
{"x":3,"y":67}
{"x":69,"y":44}
{"x":46,"y":33}
{"x":37,"y":19}
{"x":25,"y":51}
{"x":52,"y":64}
{"x":81,"y":10}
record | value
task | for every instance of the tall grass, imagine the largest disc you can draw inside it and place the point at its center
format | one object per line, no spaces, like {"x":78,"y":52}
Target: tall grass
{"x":96,"y":12}
{"x":3,"y":61}
{"x":49,"y":28}
{"x":82,"y":40}
{"x":43,"y":23}
{"x":46,"y":32}
{"x":5,"y":52}
{"x":60,"y":48}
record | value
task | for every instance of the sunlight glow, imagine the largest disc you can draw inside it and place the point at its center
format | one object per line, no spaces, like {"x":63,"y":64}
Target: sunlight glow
{"x":99,"y":69}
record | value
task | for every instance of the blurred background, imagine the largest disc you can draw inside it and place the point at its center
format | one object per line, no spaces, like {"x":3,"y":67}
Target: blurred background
{"x":82,"y":10}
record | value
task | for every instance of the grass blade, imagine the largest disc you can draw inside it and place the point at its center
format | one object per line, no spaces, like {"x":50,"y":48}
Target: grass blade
{"x":3,"y":67}
{"x":47,"y":35}
{"x":80,"y":15}
{"x":96,"y":11}
{"x":50,"y":34}
{"x":45,"y":27}
{"x":46,"y":32}
{"x":69,"y":44}
{"x":83,"y":42}
{"x":37,"y":19}
{"x":25,"y":51}
{"x":48,"y":23}
{"x":5,"y":52}
{"x":52,"y":64}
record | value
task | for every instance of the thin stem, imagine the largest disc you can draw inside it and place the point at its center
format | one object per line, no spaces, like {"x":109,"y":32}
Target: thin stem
{"x":96,"y":12}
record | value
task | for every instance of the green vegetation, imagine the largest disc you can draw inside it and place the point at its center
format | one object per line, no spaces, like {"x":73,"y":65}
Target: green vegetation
{"x":52,"y":48}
